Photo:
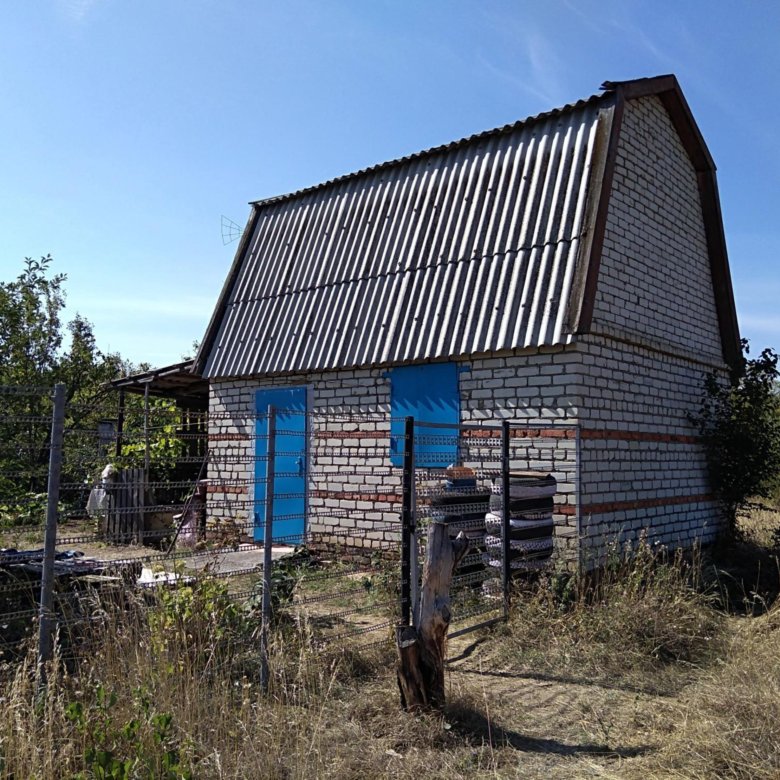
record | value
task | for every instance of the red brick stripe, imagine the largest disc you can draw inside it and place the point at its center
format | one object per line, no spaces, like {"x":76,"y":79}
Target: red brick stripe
{"x":237,"y":490}
{"x":521,"y":433}
{"x":613,"y":435}
{"x":351,"y":434}
{"x":492,"y":433}
{"x":643,"y":503}
{"x":387,"y":498}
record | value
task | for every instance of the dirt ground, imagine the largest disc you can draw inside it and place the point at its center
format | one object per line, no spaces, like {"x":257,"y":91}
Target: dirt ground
{"x":550,"y":726}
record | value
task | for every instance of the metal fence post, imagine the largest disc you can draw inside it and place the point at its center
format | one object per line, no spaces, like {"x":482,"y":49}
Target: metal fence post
{"x":46,"y":621}
{"x":414,"y":569}
{"x":407,"y":522}
{"x":267,"y":546}
{"x":506,"y":569}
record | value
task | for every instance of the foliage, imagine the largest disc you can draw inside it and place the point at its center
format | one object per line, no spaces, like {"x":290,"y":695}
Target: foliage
{"x":165,"y":446}
{"x":740,"y":424}
{"x":201,"y":617}
{"x":33,"y":357}
{"x":116,"y":750}
{"x":24,"y":509}
{"x":37,"y":350}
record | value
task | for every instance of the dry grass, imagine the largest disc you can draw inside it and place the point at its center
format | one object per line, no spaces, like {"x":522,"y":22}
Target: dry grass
{"x":639,"y":672}
{"x":728,"y":725}
{"x":644,"y":620}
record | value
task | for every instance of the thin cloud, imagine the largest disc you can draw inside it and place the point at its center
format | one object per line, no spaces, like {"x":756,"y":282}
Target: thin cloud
{"x":547,"y":69}
{"x":586,"y":18}
{"x":542,"y":75}
{"x":78,"y":10}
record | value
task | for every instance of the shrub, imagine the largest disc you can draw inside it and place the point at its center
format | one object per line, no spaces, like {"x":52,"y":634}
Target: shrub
{"x":740,"y":424}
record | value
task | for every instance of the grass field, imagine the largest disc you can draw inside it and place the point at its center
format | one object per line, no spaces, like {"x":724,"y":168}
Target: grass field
{"x":661,"y":667}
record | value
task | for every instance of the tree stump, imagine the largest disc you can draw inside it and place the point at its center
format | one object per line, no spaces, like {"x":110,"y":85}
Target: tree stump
{"x":421,"y":648}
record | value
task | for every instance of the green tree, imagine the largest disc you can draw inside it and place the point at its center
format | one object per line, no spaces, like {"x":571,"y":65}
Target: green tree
{"x":739,"y":421}
{"x":34,"y":355}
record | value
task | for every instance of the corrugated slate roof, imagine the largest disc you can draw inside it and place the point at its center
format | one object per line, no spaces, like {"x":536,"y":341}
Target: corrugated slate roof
{"x":464,"y":248}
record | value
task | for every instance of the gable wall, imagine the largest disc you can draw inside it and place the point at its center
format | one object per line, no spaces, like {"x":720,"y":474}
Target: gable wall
{"x":643,"y":468}
{"x":654,"y":281}
{"x":654,"y":338}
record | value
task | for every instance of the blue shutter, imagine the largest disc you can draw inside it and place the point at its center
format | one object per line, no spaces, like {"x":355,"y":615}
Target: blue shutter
{"x":429,"y":393}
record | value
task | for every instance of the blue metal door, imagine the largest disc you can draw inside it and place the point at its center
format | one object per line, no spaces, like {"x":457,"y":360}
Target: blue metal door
{"x":289,"y":446}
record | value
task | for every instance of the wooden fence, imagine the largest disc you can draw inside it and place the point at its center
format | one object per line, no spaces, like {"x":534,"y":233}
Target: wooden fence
{"x":124,"y":518}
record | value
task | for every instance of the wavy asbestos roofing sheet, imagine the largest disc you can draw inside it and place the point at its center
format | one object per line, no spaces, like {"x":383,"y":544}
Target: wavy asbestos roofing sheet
{"x":468,"y":248}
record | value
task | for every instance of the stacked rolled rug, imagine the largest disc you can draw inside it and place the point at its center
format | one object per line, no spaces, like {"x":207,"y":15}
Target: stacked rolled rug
{"x":530,"y":521}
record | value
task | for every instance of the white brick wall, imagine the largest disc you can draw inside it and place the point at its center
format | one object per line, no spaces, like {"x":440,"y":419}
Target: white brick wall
{"x":344,"y":469}
{"x":535,"y":387}
{"x":655,"y":336}
{"x":654,"y":280}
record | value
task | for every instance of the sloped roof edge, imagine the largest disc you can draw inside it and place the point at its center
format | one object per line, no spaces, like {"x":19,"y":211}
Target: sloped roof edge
{"x":466,"y":140}
{"x":175,"y":381}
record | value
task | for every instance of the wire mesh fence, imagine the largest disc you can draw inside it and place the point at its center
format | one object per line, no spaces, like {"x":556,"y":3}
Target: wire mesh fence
{"x":168,"y":504}
{"x":165,"y":512}
{"x":512,"y":491}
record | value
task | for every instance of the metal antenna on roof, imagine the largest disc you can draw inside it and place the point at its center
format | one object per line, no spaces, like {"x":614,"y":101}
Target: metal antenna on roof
{"x":230,"y":230}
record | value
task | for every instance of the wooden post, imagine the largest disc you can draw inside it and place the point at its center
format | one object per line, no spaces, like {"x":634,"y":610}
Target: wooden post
{"x":120,"y":423}
{"x":146,"y":428}
{"x":421,"y":648}
{"x":138,"y":491}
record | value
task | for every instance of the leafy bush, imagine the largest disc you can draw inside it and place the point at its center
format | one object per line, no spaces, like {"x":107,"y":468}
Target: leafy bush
{"x":197,"y":624}
{"x":740,"y":424}
{"x":115,"y":748}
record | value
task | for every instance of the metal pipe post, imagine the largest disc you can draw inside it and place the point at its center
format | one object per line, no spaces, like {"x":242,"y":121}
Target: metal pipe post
{"x":50,"y":539}
{"x":267,"y":546}
{"x":120,"y":423}
{"x":407,"y":522}
{"x":414,"y":568}
{"x":146,"y":428}
{"x":506,"y":550}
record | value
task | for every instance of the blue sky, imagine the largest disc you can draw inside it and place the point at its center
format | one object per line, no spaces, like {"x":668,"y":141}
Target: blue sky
{"x":129,"y":127}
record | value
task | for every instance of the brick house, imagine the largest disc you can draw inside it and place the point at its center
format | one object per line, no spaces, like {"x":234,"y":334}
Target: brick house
{"x":570,"y":268}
